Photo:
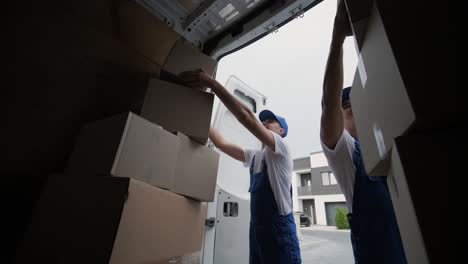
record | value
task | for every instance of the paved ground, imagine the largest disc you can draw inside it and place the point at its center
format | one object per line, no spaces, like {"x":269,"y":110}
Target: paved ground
{"x":325,"y":245}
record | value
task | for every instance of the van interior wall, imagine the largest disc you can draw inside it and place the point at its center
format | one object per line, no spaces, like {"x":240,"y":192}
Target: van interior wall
{"x":70,"y":62}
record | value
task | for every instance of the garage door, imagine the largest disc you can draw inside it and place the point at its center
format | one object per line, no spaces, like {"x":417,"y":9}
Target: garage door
{"x":330,"y":209}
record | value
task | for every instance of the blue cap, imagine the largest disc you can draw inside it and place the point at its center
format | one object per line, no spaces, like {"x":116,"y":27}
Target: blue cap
{"x":267,"y":114}
{"x":345,"y":94}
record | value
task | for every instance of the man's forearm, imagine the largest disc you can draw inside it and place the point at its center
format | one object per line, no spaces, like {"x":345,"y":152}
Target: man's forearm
{"x":331,"y":121}
{"x":215,"y":137}
{"x":239,"y":110}
{"x":333,"y":79}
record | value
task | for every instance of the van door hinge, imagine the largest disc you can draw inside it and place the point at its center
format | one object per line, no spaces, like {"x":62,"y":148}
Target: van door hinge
{"x":297,"y":12}
{"x":210,"y":222}
{"x":271,"y":28}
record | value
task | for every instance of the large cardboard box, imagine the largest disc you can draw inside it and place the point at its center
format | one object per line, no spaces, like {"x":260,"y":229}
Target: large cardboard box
{"x":111,"y":220}
{"x":422,"y":187}
{"x":197,"y":170}
{"x":375,"y":144}
{"x":410,"y":230}
{"x":178,"y":108}
{"x":126,"y":145}
{"x":144,"y":32}
{"x":380,"y":103}
{"x":402,"y":85}
{"x":184,"y":57}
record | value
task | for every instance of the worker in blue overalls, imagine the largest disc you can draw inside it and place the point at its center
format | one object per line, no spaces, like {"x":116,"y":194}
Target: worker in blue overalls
{"x":272,"y":237}
{"x":375,"y":236}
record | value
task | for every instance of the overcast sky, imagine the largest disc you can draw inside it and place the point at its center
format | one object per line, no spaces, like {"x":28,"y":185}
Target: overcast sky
{"x":288,"y":67}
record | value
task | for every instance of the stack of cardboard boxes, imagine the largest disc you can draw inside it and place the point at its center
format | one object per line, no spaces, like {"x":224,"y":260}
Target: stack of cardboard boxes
{"x":136,"y":185}
{"x":406,"y":122}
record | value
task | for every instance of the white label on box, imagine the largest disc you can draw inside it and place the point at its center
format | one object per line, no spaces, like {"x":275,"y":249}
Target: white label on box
{"x":362,"y":71}
{"x":380,"y":141}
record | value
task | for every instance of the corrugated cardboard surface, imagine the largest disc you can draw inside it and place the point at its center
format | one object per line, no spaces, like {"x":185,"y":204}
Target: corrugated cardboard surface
{"x":427,"y":165}
{"x":179,"y":108}
{"x":405,"y":213}
{"x":126,"y":145}
{"x":422,"y":36}
{"x":184,"y":57}
{"x":75,"y":221}
{"x":364,"y":118}
{"x":64,"y":68}
{"x":144,"y":32}
{"x":380,"y":102}
{"x":97,"y":146}
{"x":148,"y":153}
{"x":157,"y":224}
{"x":110,"y":219}
{"x":63,"y":77}
{"x":197,"y":170}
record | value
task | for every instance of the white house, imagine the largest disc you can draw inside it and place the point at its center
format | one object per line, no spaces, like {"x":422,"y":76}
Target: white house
{"x":315,"y":190}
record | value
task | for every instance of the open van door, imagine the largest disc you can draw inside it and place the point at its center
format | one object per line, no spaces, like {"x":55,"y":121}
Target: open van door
{"x":227,"y":226}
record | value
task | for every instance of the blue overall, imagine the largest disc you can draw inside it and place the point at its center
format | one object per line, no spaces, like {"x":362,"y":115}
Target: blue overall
{"x":374,"y":231}
{"x":272,"y":236}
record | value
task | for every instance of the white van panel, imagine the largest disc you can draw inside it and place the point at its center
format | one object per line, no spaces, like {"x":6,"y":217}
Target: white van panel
{"x":232,"y":229}
{"x":233,"y":177}
{"x":227,"y":241}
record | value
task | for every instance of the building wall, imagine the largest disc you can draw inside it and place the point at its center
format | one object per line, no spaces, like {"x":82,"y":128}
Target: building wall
{"x":317,"y":160}
{"x":320,"y":194}
{"x":296,"y":181}
{"x":320,"y":200}
{"x":317,"y":184}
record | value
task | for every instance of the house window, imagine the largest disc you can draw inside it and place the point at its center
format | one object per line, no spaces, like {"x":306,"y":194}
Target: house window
{"x":328,"y":178}
{"x":306,"y":179}
{"x":332,"y":179}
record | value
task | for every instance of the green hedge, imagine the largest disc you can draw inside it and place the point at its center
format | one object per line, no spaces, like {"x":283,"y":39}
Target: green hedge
{"x":340,"y":218}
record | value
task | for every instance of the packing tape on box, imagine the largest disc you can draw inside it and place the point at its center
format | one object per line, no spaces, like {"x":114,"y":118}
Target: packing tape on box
{"x":379,"y":139}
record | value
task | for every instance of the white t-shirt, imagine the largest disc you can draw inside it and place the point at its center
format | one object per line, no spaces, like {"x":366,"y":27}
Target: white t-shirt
{"x":279,"y":168}
{"x":341,"y":163}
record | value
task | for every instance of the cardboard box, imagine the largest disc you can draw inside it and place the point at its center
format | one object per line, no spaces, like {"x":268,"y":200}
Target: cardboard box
{"x":404,"y":84}
{"x":423,"y":185}
{"x":410,"y":230}
{"x":184,"y":57}
{"x":359,"y":12}
{"x":126,"y":145}
{"x":145,"y":32}
{"x":111,"y":220}
{"x":380,"y":103}
{"x":368,"y":129}
{"x":179,"y":108}
{"x":197,"y":170}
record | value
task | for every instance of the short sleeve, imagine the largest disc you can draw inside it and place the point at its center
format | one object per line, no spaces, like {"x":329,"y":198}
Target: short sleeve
{"x":340,"y":160}
{"x":248,"y":156}
{"x":281,"y":148}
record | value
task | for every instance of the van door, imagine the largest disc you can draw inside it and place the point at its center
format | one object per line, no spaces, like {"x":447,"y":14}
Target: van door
{"x":227,"y":230}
